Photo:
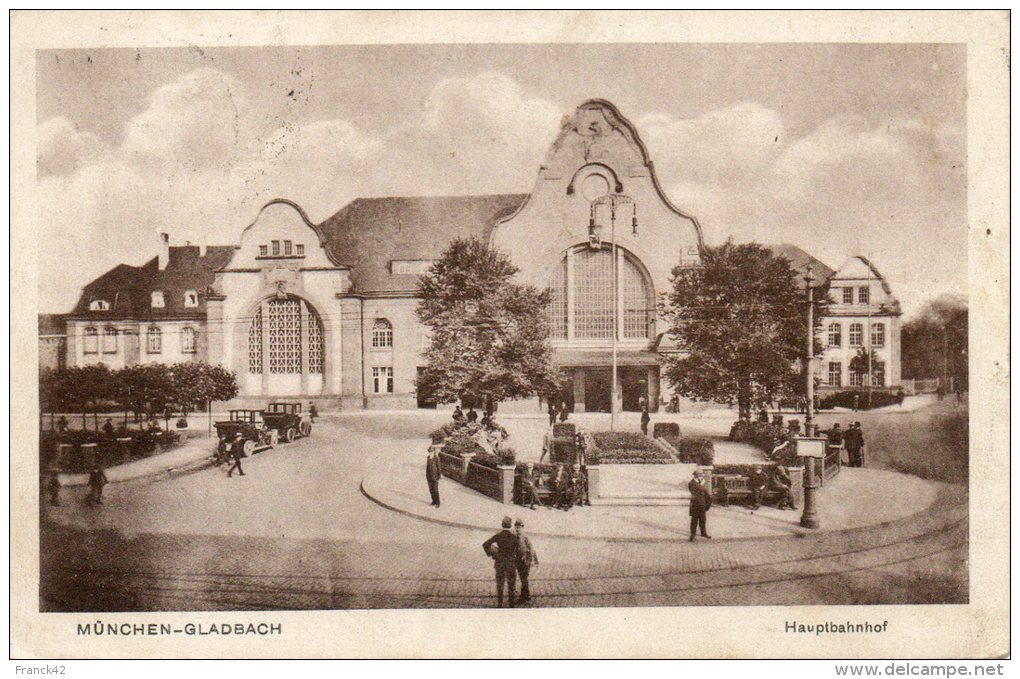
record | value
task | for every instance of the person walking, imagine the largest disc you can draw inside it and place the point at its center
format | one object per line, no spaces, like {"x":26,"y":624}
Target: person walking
{"x":645,"y":419}
{"x":313,"y":412}
{"x":552,"y":413}
{"x":237,"y":454}
{"x":108,"y":428}
{"x":433,"y":472}
{"x":97,"y":481}
{"x":564,"y":413}
{"x":526,"y":558}
{"x":701,"y":502}
{"x":502,"y":549}
{"x":854,"y":442}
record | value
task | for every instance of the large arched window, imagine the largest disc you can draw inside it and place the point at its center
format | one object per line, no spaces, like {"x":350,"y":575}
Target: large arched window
{"x":585,"y":309}
{"x":188,"y":340}
{"x":283,"y":334}
{"x":382,"y":334}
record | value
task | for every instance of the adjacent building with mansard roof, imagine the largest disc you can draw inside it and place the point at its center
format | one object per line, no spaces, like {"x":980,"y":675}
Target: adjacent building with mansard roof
{"x":326,"y":311}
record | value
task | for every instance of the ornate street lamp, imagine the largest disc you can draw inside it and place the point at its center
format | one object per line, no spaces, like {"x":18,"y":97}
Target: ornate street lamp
{"x":613,"y":200}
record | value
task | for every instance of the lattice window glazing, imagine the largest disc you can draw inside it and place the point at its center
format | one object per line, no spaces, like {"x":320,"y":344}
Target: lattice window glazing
{"x":856,"y":334}
{"x":636,"y":306}
{"x":835,"y":374}
{"x":155,"y":340}
{"x":255,"y":344}
{"x":188,"y":341}
{"x":91,"y":341}
{"x":835,"y":334}
{"x":593,"y":294}
{"x":284,"y":336}
{"x":382,"y":334}
{"x":878,"y":335}
{"x":557,"y":309}
{"x":110,"y":340}
{"x":314,"y":342}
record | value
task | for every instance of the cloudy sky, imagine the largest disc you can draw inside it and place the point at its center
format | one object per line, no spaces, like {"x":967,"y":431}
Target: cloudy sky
{"x":838,"y":149}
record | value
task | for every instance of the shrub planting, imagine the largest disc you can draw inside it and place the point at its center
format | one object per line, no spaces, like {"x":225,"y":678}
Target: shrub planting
{"x":661,"y":430}
{"x":693,"y":450}
{"x":845,"y":399}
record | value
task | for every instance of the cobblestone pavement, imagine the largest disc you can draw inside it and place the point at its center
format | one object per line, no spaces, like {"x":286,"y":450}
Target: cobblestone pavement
{"x":205,"y":542}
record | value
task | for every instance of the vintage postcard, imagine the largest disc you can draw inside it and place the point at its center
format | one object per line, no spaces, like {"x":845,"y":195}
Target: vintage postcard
{"x":625,"y":334}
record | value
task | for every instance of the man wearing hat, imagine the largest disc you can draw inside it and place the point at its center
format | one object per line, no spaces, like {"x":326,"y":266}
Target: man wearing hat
{"x":759,"y":486}
{"x":853,"y":440}
{"x":433,"y":472}
{"x":526,"y":558}
{"x":701,"y":502}
{"x":502,"y":549}
{"x":237,"y":453}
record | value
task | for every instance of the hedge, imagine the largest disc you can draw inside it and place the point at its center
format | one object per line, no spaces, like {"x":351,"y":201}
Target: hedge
{"x":661,"y":430}
{"x":845,"y":399}
{"x":693,"y":450}
{"x":762,"y":434}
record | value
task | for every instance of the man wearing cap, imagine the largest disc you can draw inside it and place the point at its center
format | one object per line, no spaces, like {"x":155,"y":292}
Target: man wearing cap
{"x":526,"y":558}
{"x":237,"y":453}
{"x":502,"y":548}
{"x":701,"y":502}
{"x":432,"y":473}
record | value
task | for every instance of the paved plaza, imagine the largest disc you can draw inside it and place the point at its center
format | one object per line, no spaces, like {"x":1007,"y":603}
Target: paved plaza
{"x":342,"y":520}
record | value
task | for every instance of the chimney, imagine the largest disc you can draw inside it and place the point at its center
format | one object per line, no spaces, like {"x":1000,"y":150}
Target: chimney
{"x":201,"y":247}
{"x":164,"y":250}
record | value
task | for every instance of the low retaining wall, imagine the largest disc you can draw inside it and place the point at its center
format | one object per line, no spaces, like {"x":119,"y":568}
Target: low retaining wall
{"x":496,"y":483}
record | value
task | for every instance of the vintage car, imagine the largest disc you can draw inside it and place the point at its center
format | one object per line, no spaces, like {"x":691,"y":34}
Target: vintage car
{"x":287,"y":420}
{"x":251,"y":425}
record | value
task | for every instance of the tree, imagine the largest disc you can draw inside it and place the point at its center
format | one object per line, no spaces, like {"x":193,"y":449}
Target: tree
{"x":489,"y":334}
{"x":859,"y":364}
{"x":934,"y":342}
{"x":739,"y":320}
{"x":196,"y":383}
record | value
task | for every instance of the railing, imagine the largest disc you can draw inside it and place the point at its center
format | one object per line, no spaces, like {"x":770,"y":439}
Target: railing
{"x":915,"y":386}
{"x":832,"y":463}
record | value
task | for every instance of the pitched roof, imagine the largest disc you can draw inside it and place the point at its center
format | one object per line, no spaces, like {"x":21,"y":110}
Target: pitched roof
{"x":129,"y":289}
{"x":800,"y":260}
{"x":52,"y":324}
{"x":369,"y":233}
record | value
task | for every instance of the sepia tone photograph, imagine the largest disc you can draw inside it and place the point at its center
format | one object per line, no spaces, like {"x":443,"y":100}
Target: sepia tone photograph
{"x":518,"y":325}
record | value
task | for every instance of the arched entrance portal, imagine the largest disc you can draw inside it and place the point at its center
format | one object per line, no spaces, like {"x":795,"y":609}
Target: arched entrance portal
{"x":285,"y":355}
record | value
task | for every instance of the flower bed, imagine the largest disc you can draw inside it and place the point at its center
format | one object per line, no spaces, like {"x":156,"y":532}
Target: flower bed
{"x":466,"y":460}
{"x":845,"y":399}
{"x":623,"y":447}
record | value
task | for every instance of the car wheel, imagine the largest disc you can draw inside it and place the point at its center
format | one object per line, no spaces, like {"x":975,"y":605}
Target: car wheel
{"x":274,"y":438}
{"x":291,"y":435}
{"x":249,"y":448}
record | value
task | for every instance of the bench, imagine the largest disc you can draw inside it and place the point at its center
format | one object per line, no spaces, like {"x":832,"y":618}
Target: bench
{"x":727,"y":487}
{"x":543,"y":489}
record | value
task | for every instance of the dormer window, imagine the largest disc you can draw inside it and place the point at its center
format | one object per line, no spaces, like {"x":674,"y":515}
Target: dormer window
{"x":191,"y":298}
{"x":157,"y":299}
{"x":99,"y":305}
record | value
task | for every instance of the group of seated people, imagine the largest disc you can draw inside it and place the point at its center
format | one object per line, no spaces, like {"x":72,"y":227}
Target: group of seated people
{"x":762,"y":483}
{"x":460,"y":418}
{"x":567,"y":487}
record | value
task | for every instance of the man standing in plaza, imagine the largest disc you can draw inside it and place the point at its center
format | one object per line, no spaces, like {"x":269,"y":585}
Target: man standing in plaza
{"x":701,"y":502}
{"x":645,"y":418}
{"x":502,"y":549}
{"x":526,"y":558}
{"x":97,"y":481}
{"x":432,"y":473}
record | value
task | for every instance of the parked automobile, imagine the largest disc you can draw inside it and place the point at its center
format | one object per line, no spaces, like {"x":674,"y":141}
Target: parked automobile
{"x":287,"y":420}
{"x":252,"y":426}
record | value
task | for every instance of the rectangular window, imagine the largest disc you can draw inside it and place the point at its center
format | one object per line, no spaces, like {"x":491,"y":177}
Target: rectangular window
{"x":835,"y":335}
{"x":287,"y":247}
{"x":835,"y":374}
{"x":878,"y":335}
{"x":382,"y":380}
{"x":848,"y":295}
{"x":878,"y":375}
{"x":276,"y":248}
{"x":863,"y":295}
{"x":110,"y":341}
{"x":856,"y":334}
{"x":856,"y":379}
{"x":188,"y":341}
{"x":91,"y":341}
{"x":300,"y":250}
{"x":263,"y":251}
{"x":155,"y":341}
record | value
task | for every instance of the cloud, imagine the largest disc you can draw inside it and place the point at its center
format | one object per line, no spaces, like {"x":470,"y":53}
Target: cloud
{"x":201,"y":159}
